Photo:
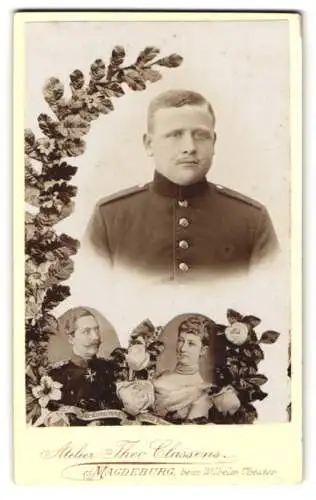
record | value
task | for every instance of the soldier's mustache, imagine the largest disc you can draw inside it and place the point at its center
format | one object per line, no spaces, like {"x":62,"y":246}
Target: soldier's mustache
{"x":187,"y":159}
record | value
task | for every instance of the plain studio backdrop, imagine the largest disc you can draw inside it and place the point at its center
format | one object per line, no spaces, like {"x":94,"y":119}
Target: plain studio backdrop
{"x":242,"y":68}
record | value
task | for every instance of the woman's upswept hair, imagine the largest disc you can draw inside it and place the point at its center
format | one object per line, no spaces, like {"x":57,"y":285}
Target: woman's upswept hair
{"x":196,"y":325}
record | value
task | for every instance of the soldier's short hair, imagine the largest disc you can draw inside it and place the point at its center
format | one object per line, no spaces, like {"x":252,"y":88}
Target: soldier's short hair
{"x":68,"y":321}
{"x":176,"y":98}
{"x":196,"y":325}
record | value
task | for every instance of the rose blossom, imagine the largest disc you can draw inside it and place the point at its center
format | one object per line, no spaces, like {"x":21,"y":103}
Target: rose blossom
{"x":137,"y":396}
{"x":137,"y":357}
{"x":237,"y":333}
{"x":226,"y":401}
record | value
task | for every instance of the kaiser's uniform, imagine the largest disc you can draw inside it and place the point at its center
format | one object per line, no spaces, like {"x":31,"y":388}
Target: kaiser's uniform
{"x":176,"y":232}
{"x":88,"y":385}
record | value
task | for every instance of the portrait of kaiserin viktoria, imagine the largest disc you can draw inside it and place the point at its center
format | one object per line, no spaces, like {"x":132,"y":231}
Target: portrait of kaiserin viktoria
{"x":157,"y":222}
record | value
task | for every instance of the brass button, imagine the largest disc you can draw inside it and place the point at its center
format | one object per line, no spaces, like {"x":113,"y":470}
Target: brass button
{"x":184,"y":244}
{"x":184,"y":222}
{"x":183,"y":267}
{"x":183,"y":203}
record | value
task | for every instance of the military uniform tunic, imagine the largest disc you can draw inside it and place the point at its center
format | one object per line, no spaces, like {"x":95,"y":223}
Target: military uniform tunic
{"x":165,"y":229}
{"x":88,"y":385}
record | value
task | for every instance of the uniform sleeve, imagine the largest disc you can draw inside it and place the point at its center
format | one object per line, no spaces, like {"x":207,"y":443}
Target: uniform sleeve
{"x":96,"y":235}
{"x":266,"y":245}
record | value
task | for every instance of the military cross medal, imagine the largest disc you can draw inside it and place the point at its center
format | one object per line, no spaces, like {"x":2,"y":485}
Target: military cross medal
{"x":90,"y":375}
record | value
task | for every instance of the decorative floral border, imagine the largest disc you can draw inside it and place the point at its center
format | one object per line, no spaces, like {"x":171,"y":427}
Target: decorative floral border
{"x":240,"y":366}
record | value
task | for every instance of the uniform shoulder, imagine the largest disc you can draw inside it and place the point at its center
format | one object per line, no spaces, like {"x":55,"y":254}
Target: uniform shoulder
{"x":124,"y":193}
{"x":103,"y":363}
{"x":230,"y":193}
{"x":59,"y":364}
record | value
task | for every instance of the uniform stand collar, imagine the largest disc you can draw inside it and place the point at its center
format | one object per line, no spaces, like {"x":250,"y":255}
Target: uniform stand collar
{"x":79,"y":361}
{"x":164,"y":187}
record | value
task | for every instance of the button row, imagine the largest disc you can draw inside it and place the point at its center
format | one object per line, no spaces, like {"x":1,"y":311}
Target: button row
{"x":183,"y":222}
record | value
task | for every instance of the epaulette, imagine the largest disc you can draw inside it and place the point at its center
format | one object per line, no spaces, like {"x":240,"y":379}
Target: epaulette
{"x":59,"y":364}
{"x":237,"y":196}
{"x":123,"y":194}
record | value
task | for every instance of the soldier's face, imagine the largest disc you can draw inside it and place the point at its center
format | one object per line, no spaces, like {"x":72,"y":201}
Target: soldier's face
{"x":189,"y":349}
{"x":86,"y":338}
{"x":182,"y":143}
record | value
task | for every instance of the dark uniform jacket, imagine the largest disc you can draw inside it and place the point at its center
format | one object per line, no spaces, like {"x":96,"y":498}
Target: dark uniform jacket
{"x":174,"y":231}
{"x":88,"y":385}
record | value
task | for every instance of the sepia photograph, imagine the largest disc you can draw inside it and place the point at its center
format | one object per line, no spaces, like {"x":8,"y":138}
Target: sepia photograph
{"x":158,"y":222}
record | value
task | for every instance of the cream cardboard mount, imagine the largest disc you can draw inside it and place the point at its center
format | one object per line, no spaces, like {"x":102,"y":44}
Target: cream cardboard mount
{"x":158,"y":379}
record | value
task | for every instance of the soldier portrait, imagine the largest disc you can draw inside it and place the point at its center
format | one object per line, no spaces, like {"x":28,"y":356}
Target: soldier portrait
{"x":86,"y":378}
{"x":180,"y":224}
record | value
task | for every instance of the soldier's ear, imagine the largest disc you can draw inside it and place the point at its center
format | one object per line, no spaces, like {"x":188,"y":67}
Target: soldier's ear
{"x":215,"y":137}
{"x":147,"y":141}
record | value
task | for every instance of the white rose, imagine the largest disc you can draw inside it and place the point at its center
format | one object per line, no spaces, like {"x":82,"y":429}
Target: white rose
{"x":237,"y":333}
{"x":137,"y":357}
{"x":226,"y":401}
{"x":137,"y":396}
